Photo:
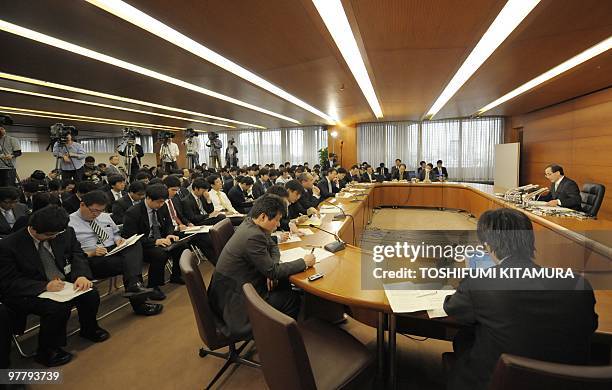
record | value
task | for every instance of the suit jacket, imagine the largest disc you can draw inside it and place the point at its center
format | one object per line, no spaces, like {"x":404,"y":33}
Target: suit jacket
{"x":308,"y":200}
{"x":136,"y":221}
{"x":394,"y":169}
{"x":432,"y":177}
{"x":19,"y":211}
{"x":260,"y":188}
{"x":71,"y":204}
{"x":111,"y":199}
{"x":567,"y":192}
{"x":545,"y":319}
{"x":323,"y":186}
{"x":228,"y":184}
{"x":192,"y":213}
{"x":382,"y":172}
{"x":365,"y":178}
{"x":113,"y":170}
{"x":21,"y":271}
{"x":177,"y":203}
{"x":250,"y":256}
{"x":397,"y":176}
{"x":238,"y":199}
{"x":119,"y":208}
{"x":440,"y":172}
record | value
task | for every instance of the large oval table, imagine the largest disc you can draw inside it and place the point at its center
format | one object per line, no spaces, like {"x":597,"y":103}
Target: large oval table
{"x":582,"y":244}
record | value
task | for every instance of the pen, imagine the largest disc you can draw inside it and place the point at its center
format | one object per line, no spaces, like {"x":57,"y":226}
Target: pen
{"x":426,"y":294}
{"x":312,"y":250}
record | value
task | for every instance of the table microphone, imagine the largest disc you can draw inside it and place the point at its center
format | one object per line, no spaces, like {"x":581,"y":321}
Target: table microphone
{"x":338,"y":217}
{"x":332,"y":247}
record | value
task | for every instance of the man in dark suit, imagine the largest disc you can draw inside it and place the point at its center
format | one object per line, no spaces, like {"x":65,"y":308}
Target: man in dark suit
{"x":42,"y":257}
{"x":262,"y":184}
{"x":230,"y":180}
{"x":343,"y":178}
{"x":116,"y":191}
{"x":368,"y":176}
{"x":311,"y":196}
{"x":401,"y":173}
{"x":136,"y":193}
{"x":330,"y":162}
{"x":72,"y":203}
{"x":353,"y":175}
{"x":396,"y":167}
{"x":440,"y":172}
{"x":238,"y":194}
{"x":382,"y":171}
{"x":135,"y":165}
{"x":252,"y":256}
{"x":563,"y":192}
{"x":427,"y":174}
{"x":549,"y":319}
{"x":10,"y":209}
{"x":328,"y":185}
{"x":198,"y":208}
{"x":152,"y":219}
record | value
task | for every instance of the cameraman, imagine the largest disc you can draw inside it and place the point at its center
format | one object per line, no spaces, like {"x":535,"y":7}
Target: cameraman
{"x":72,"y":155}
{"x":139,"y":153}
{"x":168,"y":153}
{"x":231,"y":154}
{"x":193,"y":145}
{"x":10,"y":149}
{"x":214,"y":145}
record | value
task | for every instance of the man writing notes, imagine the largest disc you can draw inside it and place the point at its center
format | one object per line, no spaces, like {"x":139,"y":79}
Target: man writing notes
{"x":563,"y":191}
{"x":252,"y":256}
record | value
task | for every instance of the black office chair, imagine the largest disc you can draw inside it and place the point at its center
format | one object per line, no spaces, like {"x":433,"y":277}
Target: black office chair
{"x":592,"y":196}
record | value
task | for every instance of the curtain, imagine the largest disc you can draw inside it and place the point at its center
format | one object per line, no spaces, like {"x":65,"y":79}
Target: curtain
{"x":109,"y":145}
{"x":296,"y":145}
{"x":466,"y":146}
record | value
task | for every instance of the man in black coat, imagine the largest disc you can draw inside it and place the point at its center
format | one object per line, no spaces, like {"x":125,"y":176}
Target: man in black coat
{"x":439,"y":171}
{"x":136,"y":194}
{"x":311,"y":196}
{"x":563,"y":191}
{"x":116,"y":190}
{"x":328,"y":185}
{"x":152,"y":219}
{"x":262,"y":184}
{"x":42,"y":257}
{"x":238,"y":195}
{"x":549,"y":319}
{"x":72,"y":203}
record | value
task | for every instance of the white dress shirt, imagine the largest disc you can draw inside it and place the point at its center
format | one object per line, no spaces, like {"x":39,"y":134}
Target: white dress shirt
{"x":221,"y":201}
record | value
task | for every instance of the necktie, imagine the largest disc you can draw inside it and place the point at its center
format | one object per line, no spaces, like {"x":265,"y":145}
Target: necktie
{"x":9,"y":217}
{"x":329,"y":186}
{"x":100,"y":233}
{"x":48,"y":262}
{"x":173,"y":213}
{"x":155,"y":232}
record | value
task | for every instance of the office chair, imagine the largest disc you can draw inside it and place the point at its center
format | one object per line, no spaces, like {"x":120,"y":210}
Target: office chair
{"x":220,"y":234}
{"x":592,"y":196}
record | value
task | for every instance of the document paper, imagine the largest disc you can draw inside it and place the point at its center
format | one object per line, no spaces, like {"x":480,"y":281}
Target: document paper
{"x":66,"y":294}
{"x":403,"y":298}
{"x":299,"y":253}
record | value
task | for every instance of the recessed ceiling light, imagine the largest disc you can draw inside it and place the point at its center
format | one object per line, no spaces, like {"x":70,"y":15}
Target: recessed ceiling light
{"x":337,"y":24}
{"x":586,"y":55}
{"x":62,"y":98}
{"x":156,"y":27}
{"x":28,"y":80}
{"x":60,"y":44}
{"x":506,"y":21}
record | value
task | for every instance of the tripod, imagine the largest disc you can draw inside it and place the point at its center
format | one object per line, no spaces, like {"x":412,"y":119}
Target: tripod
{"x":10,"y":169}
{"x":192,"y":154}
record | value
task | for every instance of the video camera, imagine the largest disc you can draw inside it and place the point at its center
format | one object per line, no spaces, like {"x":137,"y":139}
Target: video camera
{"x":5,"y":120}
{"x":130,"y":133}
{"x":58,"y":133}
{"x":212,"y":135}
{"x":164,"y":135}
{"x":190,"y":133}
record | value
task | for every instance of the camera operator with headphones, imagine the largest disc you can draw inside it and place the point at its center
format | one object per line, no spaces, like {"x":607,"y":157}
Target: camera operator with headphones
{"x":70,"y":154}
{"x":214,"y":145}
{"x":10,"y":149}
{"x":168,"y":152}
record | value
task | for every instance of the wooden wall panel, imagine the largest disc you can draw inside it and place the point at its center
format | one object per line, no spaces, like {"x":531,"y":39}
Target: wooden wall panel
{"x":344,"y":145}
{"x":576,"y":134}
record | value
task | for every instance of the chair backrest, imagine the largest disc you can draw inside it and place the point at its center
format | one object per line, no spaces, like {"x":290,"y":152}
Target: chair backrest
{"x":514,"y":372}
{"x":280,"y":346}
{"x":204,"y":316}
{"x":220,"y":234}
{"x":592,"y":196}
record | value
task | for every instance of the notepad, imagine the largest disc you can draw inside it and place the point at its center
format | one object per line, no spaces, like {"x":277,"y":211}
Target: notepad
{"x":66,"y":294}
{"x":127,"y":243}
{"x":299,"y":253}
{"x":292,"y":237}
{"x":404,"y":297}
{"x":197,"y":229}
{"x":329,"y":210}
{"x":313,"y":220}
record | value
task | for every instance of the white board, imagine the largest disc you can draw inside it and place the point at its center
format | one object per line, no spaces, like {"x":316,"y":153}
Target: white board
{"x":507,"y":163}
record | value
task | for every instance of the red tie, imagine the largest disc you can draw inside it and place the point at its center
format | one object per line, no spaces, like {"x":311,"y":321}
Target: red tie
{"x":173,"y":213}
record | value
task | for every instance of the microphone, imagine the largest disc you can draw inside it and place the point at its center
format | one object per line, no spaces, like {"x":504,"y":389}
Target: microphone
{"x":338,"y":217}
{"x":335,"y":246}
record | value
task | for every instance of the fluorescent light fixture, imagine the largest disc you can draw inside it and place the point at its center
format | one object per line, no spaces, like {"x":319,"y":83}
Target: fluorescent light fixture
{"x":82,"y":118}
{"x":28,"y":80}
{"x":60,"y":44}
{"x":337,"y":24}
{"x":508,"y":19}
{"x":156,"y":27}
{"x":55,"y":97}
{"x":586,"y":55}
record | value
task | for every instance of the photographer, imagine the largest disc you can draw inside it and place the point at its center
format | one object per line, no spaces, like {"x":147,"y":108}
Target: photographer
{"x":91,"y":172}
{"x":131,"y":150}
{"x":214,"y":145}
{"x":10,"y":149}
{"x":231,"y":154}
{"x":169,"y":152}
{"x":72,"y":155}
{"x":193,"y":145}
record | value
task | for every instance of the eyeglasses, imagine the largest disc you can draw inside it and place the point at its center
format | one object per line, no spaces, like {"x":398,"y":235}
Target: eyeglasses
{"x":52,"y":235}
{"x":95,"y":211}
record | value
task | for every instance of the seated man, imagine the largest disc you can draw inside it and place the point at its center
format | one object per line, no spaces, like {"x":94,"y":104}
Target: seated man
{"x":440,"y":171}
{"x":261,"y":185}
{"x":150,"y":218}
{"x":72,"y":203}
{"x":136,"y":193}
{"x":401,"y":173}
{"x":343,"y":179}
{"x":42,"y":257}
{"x":426,"y":174}
{"x":538,"y":318}
{"x":311,"y":196}
{"x":368,"y":175}
{"x":252,"y":256}
{"x":328,"y":185}
{"x":116,"y":191}
{"x":10,"y":209}
{"x":98,"y":235}
{"x":219,"y":199}
{"x":238,"y":194}
{"x":563,"y":191}
{"x":198,"y":208}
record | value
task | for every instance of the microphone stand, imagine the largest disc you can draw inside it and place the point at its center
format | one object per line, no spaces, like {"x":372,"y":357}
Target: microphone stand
{"x":332,"y":247}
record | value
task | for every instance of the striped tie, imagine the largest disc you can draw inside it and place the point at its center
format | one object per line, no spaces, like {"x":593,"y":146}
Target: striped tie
{"x":102,"y":235}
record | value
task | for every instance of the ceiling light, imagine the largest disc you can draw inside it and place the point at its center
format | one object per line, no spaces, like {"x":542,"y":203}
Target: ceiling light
{"x":156,"y":27}
{"x":54,"y":97}
{"x":60,"y":44}
{"x":28,"y":80}
{"x":335,"y":20}
{"x":554,"y":72}
{"x":508,"y":19}
{"x":90,"y":118}
{"x":334,"y":134}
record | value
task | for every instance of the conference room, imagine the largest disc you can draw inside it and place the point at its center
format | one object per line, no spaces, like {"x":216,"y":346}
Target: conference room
{"x":306,"y":194}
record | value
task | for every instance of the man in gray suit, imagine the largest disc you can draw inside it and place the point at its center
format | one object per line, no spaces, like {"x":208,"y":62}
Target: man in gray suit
{"x":252,"y":256}
{"x":113,"y":167}
{"x":10,"y":209}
